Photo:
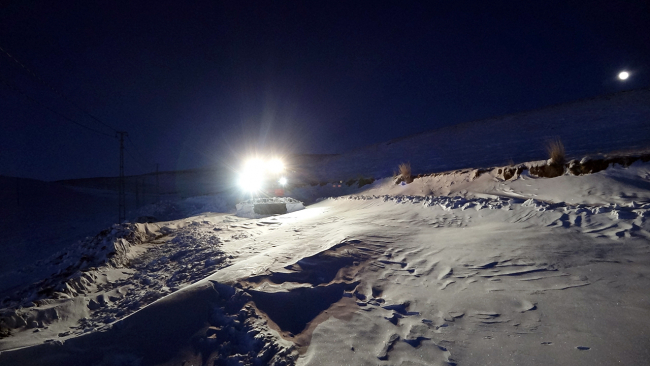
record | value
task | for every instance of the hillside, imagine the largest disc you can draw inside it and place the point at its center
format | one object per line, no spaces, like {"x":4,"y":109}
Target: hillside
{"x":598,"y":125}
{"x":469,"y":267}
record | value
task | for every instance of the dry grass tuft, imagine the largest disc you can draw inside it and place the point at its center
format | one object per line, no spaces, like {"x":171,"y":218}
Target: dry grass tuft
{"x":555,"y":150}
{"x":405,"y":172}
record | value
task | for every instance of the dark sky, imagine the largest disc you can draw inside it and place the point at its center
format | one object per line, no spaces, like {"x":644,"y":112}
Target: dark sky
{"x":200,"y":84}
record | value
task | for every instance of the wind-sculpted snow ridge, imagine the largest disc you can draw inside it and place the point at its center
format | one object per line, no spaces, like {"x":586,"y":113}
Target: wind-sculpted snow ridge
{"x":504,"y":203}
{"x":121,"y":270}
{"x":74,"y":272}
{"x":209,"y":324}
{"x":215,"y":322}
{"x":237,"y":335}
{"x":70,"y":267}
{"x":621,"y":221}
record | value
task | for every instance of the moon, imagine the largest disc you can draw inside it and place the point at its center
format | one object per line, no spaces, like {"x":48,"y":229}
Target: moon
{"x":623,"y":75}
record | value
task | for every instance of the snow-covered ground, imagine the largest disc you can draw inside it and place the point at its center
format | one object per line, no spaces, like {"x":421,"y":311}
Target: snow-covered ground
{"x":41,"y":219}
{"x":457,"y":268}
{"x":464,"y":267}
{"x":616,"y":122}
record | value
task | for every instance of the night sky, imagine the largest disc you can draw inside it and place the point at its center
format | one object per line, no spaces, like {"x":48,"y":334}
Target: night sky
{"x":203,"y":84}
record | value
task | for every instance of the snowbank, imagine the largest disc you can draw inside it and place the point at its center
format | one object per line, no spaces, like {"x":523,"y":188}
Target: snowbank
{"x":470,"y":267}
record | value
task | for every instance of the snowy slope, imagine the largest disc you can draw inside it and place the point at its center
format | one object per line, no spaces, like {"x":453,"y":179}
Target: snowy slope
{"x":445,"y":270}
{"x":598,"y":125}
{"x":617,"y":122}
{"x":44,"y":217}
{"x":462,"y":268}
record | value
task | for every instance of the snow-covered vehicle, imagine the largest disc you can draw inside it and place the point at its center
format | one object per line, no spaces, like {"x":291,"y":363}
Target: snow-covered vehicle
{"x":259,"y":207}
{"x":266,"y":183}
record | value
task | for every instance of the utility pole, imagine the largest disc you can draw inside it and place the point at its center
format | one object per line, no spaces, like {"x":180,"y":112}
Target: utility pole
{"x":122,"y":197}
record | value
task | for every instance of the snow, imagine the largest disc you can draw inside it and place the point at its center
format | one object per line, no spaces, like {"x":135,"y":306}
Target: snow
{"x":617,"y":122}
{"x":463,"y":267}
{"x":495,"y":271}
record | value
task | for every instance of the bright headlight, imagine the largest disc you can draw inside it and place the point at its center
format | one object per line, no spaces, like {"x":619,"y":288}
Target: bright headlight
{"x":251,"y":181}
{"x":254,"y":166}
{"x":256,"y":171}
{"x":275,"y":166}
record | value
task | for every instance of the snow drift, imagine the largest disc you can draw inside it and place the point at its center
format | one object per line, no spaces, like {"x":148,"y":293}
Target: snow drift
{"x":450,"y":269}
{"x":468,"y":267}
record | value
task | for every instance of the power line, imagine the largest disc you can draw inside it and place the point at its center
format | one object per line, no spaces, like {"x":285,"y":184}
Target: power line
{"x":16,"y":89}
{"x":133,"y":157}
{"x":121,"y":134}
{"x":33,"y":74}
{"x":138,"y":151}
{"x":35,"y":101}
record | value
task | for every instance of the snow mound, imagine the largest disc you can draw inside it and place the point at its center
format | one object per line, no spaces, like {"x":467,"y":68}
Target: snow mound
{"x":70,"y":267}
{"x":215,"y":322}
